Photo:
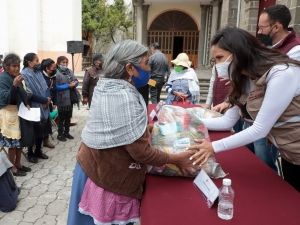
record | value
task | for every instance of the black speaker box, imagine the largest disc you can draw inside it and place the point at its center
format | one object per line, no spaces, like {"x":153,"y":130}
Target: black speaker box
{"x":74,"y":46}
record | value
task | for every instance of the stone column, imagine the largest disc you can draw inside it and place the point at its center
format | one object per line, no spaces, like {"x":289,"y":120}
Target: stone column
{"x":201,"y":44}
{"x":215,"y":17}
{"x":145,"y":24}
{"x":139,"y":20}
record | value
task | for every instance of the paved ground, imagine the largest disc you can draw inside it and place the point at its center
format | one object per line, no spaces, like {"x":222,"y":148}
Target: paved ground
{"x":46,"y":190}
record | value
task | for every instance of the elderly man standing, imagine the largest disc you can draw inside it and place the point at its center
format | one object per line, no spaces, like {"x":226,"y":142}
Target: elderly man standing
{"x":91,"y":78}
{"x":158,"y":63}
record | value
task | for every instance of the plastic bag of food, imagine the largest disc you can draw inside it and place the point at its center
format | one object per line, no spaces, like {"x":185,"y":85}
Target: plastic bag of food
{"x":176,"y":130}
{"x":204,"y":113}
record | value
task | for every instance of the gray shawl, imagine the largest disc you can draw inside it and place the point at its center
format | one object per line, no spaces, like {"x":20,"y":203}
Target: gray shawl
{"x":37,"y":84}
{"x":117,"y":117}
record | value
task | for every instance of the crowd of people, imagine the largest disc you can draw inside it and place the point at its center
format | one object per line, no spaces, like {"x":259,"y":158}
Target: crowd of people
{"x":45,"y":86}
{"x":249,"y":77}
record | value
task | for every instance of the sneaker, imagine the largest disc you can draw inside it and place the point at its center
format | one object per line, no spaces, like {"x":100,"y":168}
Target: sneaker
{"x":61,"y":138}
{"x":69,"y":136}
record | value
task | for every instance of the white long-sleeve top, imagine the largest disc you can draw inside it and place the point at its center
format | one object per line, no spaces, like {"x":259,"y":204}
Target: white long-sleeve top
{"x":282,"y":86}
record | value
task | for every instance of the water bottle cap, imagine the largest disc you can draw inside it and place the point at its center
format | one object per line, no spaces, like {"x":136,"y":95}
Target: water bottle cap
{"x":226,"y":182}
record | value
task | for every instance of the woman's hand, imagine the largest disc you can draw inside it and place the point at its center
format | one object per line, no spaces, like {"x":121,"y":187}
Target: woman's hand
{"x":85,"y":100}
{"x":72,"y":84}
{"x":28,"y":107}
{"x":226,"y":79}
{"x":185,"y":164}
{"x":207,"y":106}
{"x":205,"y":151}
{"x":219,"y":108}
{"x":18,"y":80}
{"x":53,"y":107}
{"x":180,"y":95}
{"x":45,"y":105}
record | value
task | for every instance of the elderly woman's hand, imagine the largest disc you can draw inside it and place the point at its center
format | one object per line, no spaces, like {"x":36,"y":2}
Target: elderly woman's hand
{"x":18,"y":80}
{"x":184,"y":163}
{"x":205,"y":151}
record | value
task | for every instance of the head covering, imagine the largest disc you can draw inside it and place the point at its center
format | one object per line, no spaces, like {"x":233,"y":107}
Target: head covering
{"x":182,"y":60}
{"x":97,"y":57}
{"x":107,"y":126}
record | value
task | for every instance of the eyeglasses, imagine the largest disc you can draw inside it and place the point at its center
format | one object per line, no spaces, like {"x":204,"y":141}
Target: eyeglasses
{"x":262,"y":27}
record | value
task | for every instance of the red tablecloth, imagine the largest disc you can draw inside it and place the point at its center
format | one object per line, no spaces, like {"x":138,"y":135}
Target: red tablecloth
{"x":261,"y":196}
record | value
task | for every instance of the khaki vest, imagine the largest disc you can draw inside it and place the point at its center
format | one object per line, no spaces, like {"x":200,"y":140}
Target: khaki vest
{"x":285,"y":134}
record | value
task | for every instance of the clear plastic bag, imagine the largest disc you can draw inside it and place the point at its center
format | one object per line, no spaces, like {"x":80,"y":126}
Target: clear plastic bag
{"x":176,"y":130}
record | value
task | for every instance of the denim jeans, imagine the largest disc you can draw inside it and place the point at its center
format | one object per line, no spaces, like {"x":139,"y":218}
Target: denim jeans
{"x":267,"y":153}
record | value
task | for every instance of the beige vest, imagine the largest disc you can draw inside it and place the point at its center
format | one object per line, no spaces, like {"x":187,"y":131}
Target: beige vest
{"x":285,"y":134}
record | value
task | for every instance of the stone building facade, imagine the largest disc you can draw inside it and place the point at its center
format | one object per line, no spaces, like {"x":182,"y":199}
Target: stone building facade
{"x":157,"y":20}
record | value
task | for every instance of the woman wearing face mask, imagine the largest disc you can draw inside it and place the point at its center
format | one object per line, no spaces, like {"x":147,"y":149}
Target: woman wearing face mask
{"x":91,"y":78}
{"x":48,"y":67}
{"x":259,"y":77}
{"x":111,"y":163}
{"x":65,"y":80}
{"x":15,"y":132}
{"x":183,"y":83}
{"x":34,"y":79}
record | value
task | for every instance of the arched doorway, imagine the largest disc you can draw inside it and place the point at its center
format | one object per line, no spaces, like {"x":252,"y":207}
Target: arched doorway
{"x":176,"y":32}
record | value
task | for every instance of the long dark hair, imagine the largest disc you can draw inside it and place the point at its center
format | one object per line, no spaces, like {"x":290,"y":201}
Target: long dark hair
{"x":60,"y":59}
{"x":28,"y":58}
{"x":249,"y":55}
{"x":46,"y":63}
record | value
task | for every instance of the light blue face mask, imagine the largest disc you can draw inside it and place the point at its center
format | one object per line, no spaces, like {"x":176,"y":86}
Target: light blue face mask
{"x":63,"y":68}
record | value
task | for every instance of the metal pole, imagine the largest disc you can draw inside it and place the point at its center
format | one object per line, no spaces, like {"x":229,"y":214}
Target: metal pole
{"x":238,"y":14}
{"x":73,"y":61}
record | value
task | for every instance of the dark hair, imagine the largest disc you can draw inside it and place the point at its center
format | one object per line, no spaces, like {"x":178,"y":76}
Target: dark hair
{"x":155,"y":45}
{"x":10,"y":59}
{"x":28,"y":58}
{"x":279,"y":13}
{"x":248,"y":54}
{"x":46,"y":63}
{"x":60,"y":59}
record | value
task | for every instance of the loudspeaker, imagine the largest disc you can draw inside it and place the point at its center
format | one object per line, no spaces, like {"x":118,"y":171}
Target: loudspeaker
{"x":74,"y":47}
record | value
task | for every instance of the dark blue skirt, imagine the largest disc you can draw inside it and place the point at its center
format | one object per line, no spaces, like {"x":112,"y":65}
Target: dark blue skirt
{"x":8,"y":192}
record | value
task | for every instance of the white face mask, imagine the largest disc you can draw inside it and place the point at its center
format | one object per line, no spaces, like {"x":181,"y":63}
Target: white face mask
{"x":222,"y":68}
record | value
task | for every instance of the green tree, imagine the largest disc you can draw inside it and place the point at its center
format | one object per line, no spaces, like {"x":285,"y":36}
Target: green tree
{"x":103,"y":20}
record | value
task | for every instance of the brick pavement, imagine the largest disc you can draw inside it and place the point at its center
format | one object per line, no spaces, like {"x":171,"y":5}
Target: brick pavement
{"x":46,"y":190}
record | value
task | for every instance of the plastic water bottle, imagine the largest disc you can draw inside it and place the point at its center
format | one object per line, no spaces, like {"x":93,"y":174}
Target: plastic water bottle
{"x":226,"y":195}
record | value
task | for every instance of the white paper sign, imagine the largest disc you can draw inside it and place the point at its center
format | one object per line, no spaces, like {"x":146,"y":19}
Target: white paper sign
{"x":152,"y":114}
{"x":33,"y":114}
{"x":207,"y":188}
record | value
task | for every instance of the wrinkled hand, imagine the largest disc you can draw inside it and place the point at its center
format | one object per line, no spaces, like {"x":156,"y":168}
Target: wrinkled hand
{"x":85,"y":101}
{"x":18,"y":80}
{"x":207,"y":106}
{"x":205,"y":151}
{"x":226,"y":79}
{"x":219,"y":108}
{"x":185,"y":164}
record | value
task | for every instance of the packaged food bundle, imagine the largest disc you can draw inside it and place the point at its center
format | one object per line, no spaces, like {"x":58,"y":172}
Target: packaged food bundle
{"x":176,"y":130}
{"x":204,"y":113}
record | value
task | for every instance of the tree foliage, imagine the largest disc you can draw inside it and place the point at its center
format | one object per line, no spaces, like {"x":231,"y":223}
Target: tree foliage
{"x":103,"y":20}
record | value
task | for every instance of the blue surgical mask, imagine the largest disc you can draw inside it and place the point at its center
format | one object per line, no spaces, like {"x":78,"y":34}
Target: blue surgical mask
{"x":143,"y":78}
{"x":63,"y":68}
